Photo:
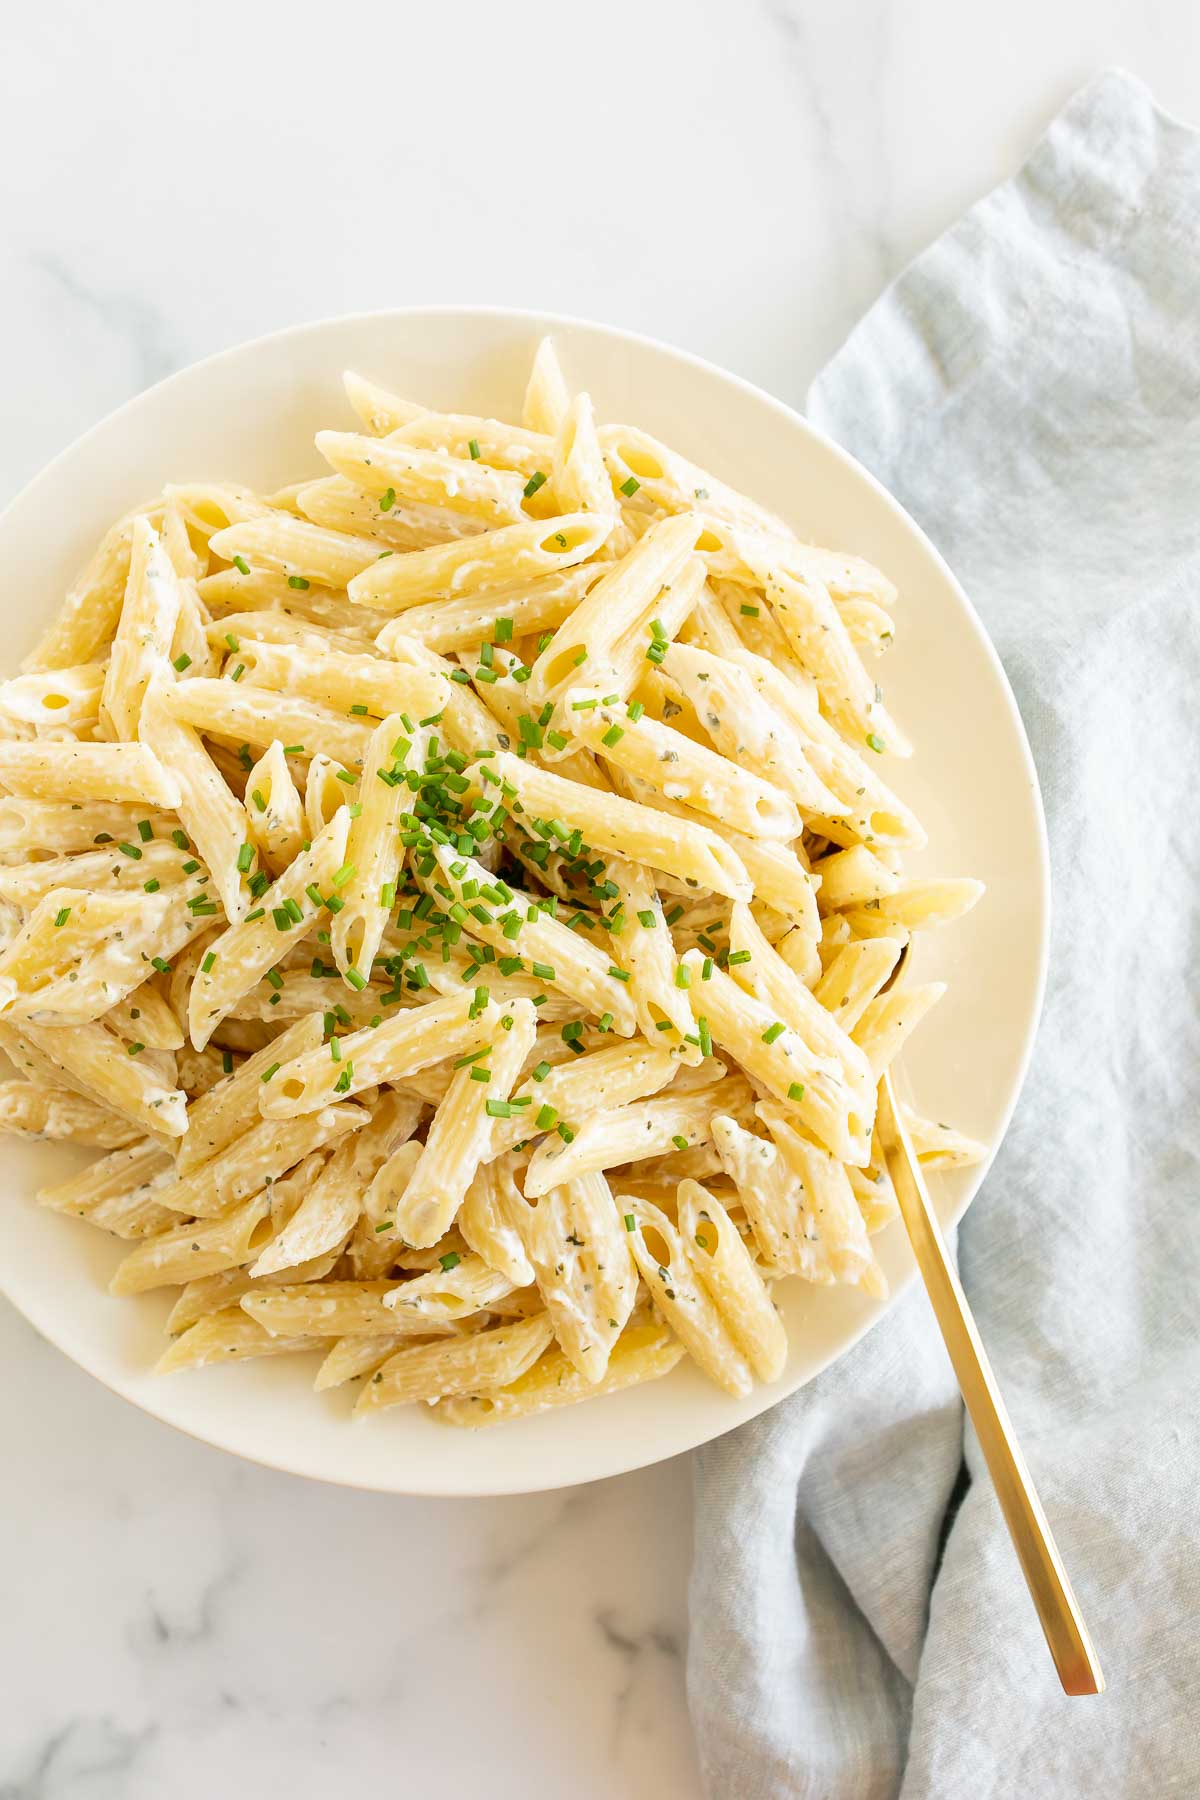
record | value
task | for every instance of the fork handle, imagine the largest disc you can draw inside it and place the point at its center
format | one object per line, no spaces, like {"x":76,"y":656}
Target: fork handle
{"x":1051,"y":1591}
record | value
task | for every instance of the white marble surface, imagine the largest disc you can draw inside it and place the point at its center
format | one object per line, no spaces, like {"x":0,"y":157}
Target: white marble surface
{"x":738,"y":177}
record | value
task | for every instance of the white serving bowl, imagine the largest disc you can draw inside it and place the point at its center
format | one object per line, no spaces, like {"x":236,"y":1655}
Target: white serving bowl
{"x":249,"y":415}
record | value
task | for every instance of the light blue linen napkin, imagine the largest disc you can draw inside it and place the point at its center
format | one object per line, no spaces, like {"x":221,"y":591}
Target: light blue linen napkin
{"x":1030,"y":390}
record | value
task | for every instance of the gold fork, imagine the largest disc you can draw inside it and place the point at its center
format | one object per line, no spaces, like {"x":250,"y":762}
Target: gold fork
{"x":1042,"y":1566}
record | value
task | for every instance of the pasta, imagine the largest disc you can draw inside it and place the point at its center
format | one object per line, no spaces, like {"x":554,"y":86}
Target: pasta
{"x":459,"y":899}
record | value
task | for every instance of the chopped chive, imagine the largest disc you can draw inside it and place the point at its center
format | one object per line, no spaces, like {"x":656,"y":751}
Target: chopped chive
{"x":675,"y":914}
{"x":293,"y":749}
{"x":502,"y":631}
{"x":62,"y":915}
{"x":481,"y":1075}
{"x":679,"y":1142}
{"x":273,"y":1070}
{"x":498,"y":1109}
{"x":227,"y":1062}
{"x":161,"y":964}
{"x":245,"y":857}
{"x":796,"y":1090}
{"x":613,"y":735}
{"x":543,"y":971}
{"x":233,"y":642}
{"x":772,"y":1032}
{"x":357,"y":979}
{"x":359,"y":710}
{"x":241,"y":565}
{"x":536,"y":480}
{"x":182,"y":661}
{"x":705,"y":1035}
{"x":450,"y":1261}
{"x":274,"y":978}
{"x":618,"y":974}
{"x":635,"y":711}
{"x":875,"y":743}
{"x":298,"y":581}
{"x":566,"y":1134}
{"x":347,"y":777}
{"x":282,"y":918}
{"x":541,"y":1072}
{"x":179,"y":839}
{"x":388,"y":500}
{"x":547,"y":1117}
{"x":647,"y":919}
{"x":131,"y":850}
{"x":749,"y":612}
{"x":208,"y":962}
{"x":292,"y":909}
{"x":135,"y":1049}
{"x":629,"y":488}
{"x":473,"y":447}
{"x":346,"y":873}
{"x":152,"y":886}
{"x":630,"y":1223}
{"x":238,"y":672}
{"x":683,"y":976}
{"x":145,"y":830}
{"x":738,"y":956}
{"x":190,"y":866}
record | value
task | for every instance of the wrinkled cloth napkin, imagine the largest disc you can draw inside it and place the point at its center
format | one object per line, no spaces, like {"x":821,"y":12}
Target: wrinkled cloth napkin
{"x":1030,"y":390}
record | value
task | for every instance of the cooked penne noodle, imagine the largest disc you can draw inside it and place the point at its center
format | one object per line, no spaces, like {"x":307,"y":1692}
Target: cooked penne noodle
{"x":473,"y":565}
{"x":546,"y":394}
{"x":579,"y":1252}
{"x":199,"y":1247}
{"x":831,"y":1202}
{"x":296,"y":549}
{"x":259,"y":715}
{"x":528,"y":606}
{"x":626,"y":828}
{"x":431,"y":478}
{"x":774,"y":1054}
{"x":97,"y":1061}
{"x":734,"y":1285}
{"x":117,"y":1193}
{"x":773,"y":1198}
{"x":604,"y":1140}
{"x":642,"y":1353}
{"x":341,"y":683}
{"x":373,"y":848}
{"x":465,"y":1365}
{"x":613,"y":608}
{"x":52,"y":770}
{"x":392,"y":1052}
{"x":141,"y":646}
{"x":289,"y":909}
{"x":274,"y":813}
{"x":380,"y":410}
{"x":685,"y":771}
{"x":230,"y":1108}
{"x":228,"y":1336}
{"x":56,"y":700}
{"x":659,"y":1251}
{"x":30,"y":1109}
{"x":460,"y":1131}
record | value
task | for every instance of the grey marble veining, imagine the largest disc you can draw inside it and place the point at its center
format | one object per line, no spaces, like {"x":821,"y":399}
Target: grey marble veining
{"x":739,"y":179}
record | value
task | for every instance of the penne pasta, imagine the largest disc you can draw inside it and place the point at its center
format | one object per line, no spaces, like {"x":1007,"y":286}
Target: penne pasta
{"x":396,"y":866}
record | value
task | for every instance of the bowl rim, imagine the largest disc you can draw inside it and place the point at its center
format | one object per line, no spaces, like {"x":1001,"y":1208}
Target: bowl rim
{"x":1039,"y":875}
